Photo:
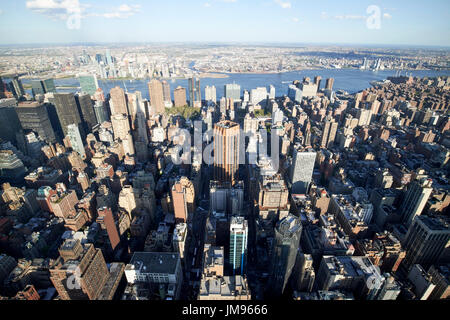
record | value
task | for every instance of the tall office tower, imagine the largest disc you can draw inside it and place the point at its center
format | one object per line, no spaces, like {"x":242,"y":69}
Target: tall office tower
{"x":67,"y":110}
{"x":99,"y":95}
{"x":272,"y":92}
{"x":101,"y":112}
{"x":108,"y":57}
{"x":329,"y":84}
{"x":226,"y":151}
{"x":183,"y":198}
{"x":121,"y":126}
{"x":118,"y":101}
{"x":2,"y":89}
{"x":141,"y":119}
{"x":232,"y":91}
{"x":49,"y":85}
{"x":11,"y":167}
{"x":308,"y":89}
{"x":86,"y":110}
{"x":106,"y":221}
{"x":287,"y":240}
{"x":155,"y":89}
{"x":364,"y":117}
{"x":415,"y":199}
{"x":34,"y":116}
{"x":425,"y":242}
{"x":166,"y":91}
{"x":317,"y":81}
{"x":329,"y":133}
{"x":37,"y":87}
{"x":75,"y":139}
{"x":9,"y":121}
{"x":80,"y":273}
{"x":195,"y":94}
{"x":302,"y":169}
{"x":258,"y":96}
{"x":238,"y":245}
{"x":294,"y":93}
{"x":17,"y":87}
{"x":210,"y":94}
{"x":305,"y":274}
{"x":179,"y":95}
{"x":88,"y":83}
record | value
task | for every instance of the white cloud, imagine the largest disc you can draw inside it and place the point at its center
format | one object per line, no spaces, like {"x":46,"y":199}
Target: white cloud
{"x":282,"y":4}
{"x":1,"y":11}
{"x":295,"y":20}
{"x":207,"y":5}
{"x":387,"y":16}
{"x":56,"y":8}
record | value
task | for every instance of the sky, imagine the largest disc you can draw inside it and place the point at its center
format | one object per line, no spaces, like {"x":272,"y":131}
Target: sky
{"x":373,"y":22}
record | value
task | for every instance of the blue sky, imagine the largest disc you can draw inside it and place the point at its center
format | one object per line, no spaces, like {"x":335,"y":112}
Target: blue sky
{"x":413,"y":22}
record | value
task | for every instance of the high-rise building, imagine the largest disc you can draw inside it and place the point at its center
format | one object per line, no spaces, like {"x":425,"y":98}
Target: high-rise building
{"x":415,"y":199}
{"x":17,"y":87}
{"x":238,"y":245}
{"x":287,"y":239}
{"x":2,"y":89}
{"x":101,"y":112}
{"x":9,"y":121}
{"x":118,"y":101}
{"x":329,"y":133}
{"x":232,"y":91}
{"x":155,"y":89}
{"x":210,"y":94}
{"x":107,"y":222}
{"x":226,"y":151}
{"x":179,"y":95}
{"x":86,"y":110}
{"x":317,"y":81}
{"x":329,"y":84}
{"x":80,"y":273}
{"x":425,"y":241}
{"x":75,"y":139}
{"x":121,"y":126}
{"x":49,"y":85}
{"x":88,"y":83}
{"x":195,"y":94}
{"x":302,"y":169}
{"x":67,"y":111}
{"x":34,"y":116}
{"x":183,"y":198}
{"x":166,"y":91}
{"x":258,"y":96}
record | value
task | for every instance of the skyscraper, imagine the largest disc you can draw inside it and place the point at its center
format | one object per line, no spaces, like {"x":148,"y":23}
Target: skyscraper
{"x":9,"y":121}
{"x":317,"y":81}
{"x":37,"y":87}
{"x":166,"y":91}
{"x":238,"y":245}
{"x":179,"y":95}
{"x":183,"y":198}
{"x":88,"y":83}
{"x":415,"y":199}
{"x":67,"y":110}
{"x":210,"y":94}
{"x":287,"y":239}
{"x":329,"y":84}
{"x":302,"y":169}
{"x":425,"y":241}
{"x":80,"y":273}
{"x":118,"y":102}
{"x":121,"y":126}
{"x":232,"y":91}
{"x":195,"y":95}
{"x":226,"y":151}
{"x":86,"y":110}
{"x":329,"y":133}
{"x":34,"y":116}
{"x":101,"y":112}
{"x":17,"y":87}
{"x":49,"y":85}
{"x":155,"y":89}
{"x":75,"y":139}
